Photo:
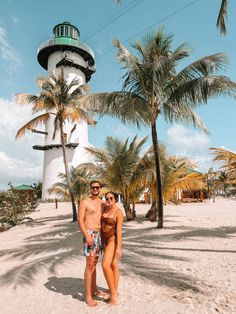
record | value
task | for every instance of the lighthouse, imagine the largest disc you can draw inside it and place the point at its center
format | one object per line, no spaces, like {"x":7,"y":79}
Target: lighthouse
{"x":64,"y":51}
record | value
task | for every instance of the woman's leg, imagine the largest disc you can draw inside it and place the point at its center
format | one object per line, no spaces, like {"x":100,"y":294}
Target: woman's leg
{"x":106,"y":266}
{"x":116,"y":272}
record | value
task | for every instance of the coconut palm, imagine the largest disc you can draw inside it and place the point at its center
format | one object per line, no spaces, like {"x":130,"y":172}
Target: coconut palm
{"x":80,"y":179}
{"x":60,"y":100}
{"x":152,"y":74}
{"x":176,"y":176}
{"x":229,"y":162}
{"x":115,"y":165}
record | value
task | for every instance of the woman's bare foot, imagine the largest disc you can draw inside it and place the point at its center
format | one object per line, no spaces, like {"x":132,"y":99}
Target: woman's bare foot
{"x":113,"y":299}
{"x":91,"y":302}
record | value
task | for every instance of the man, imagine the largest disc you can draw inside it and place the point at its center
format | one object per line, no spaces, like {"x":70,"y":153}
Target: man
{"x":89,"y":219}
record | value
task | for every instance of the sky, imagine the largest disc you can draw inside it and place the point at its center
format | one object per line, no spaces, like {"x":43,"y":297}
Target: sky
{"x":25,"y":24}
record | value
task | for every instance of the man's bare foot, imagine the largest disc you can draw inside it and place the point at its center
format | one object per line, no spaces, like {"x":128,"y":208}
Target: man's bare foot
{"x":91,"y":302}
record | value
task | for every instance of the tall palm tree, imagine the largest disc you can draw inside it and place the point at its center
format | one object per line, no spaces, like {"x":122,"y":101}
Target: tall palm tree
{"x":115,"y":165}
{"x":152,"y":74}
{"x":59,"y":99}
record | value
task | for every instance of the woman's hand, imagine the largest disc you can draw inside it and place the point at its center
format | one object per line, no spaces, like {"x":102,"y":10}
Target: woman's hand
{"x":118,"y":253}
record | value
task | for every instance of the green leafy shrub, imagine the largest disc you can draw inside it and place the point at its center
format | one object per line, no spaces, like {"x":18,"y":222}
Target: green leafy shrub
{"x":13,"y":208}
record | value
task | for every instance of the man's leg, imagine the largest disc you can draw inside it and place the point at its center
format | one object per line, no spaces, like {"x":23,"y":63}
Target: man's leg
{"x":94,"y":289}
{"x":88,"y":279}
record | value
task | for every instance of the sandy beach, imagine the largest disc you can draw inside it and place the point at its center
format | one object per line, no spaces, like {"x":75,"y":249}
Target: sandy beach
{"x":187,"y":267}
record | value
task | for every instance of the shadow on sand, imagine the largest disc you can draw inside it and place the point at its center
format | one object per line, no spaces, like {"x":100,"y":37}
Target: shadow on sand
{"x":64,"y":243}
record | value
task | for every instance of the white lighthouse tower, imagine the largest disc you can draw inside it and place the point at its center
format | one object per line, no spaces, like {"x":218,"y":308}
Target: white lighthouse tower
{"x":65,"y":51}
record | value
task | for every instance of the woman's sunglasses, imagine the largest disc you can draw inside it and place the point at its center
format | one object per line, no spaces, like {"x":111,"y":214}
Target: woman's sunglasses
{"x":109,"y":198}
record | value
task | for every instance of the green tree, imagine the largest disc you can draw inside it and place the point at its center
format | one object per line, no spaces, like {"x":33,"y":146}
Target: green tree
{"x":59,"y":99}
{"x":152,"y":74}
{"x":80,"y":179}
{"x":116,"y":165}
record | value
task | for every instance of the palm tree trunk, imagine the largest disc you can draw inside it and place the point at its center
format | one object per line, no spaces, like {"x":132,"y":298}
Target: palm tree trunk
{"x":151,"y":215}
{"x":74,"y":212}
{"x":128,"y":211}
{"x":158,"y":175}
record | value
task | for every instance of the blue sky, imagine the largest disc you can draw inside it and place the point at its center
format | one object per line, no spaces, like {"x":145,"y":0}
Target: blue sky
{"x":25,"y":24}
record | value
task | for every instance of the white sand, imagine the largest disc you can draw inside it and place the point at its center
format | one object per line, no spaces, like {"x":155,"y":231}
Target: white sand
{"x":187,"y":267}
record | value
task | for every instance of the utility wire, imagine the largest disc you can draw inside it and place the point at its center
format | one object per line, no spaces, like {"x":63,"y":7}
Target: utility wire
{"x":158,"y":22}
{"x":113,"y":18}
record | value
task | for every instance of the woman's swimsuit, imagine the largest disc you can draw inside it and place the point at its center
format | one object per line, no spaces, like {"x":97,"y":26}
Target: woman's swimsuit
{"x":110,"y":221}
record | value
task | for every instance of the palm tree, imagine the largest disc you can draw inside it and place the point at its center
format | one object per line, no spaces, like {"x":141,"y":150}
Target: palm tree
{"x":61,"y":100}
{"x":229,"y":162}
{"x":176,"y":176}
{"x":152,"y":75}
{"x":80,"y":179}
{"x":116,"y":166}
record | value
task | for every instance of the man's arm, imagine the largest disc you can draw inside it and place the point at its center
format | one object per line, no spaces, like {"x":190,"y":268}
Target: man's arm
{"x":81,"y":216}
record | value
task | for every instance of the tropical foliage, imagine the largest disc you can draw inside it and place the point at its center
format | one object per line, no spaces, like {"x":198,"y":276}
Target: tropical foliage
{"x":80,"y":185}
{"x":116,"y":165}
{"x":176,"y":177}
{"x":152,"y":74}
{"x":13,"y":207}
{"x":228,"y":159}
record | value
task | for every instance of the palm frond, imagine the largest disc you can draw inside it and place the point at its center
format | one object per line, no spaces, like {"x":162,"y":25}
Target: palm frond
{"x":222,"y":17}
{"x":128,"y":107}
{"x":32,"y":124}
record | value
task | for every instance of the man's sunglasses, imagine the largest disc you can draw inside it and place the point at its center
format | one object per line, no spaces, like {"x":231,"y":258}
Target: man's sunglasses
{"x":95,"y":187}
{"x":109,"y":198}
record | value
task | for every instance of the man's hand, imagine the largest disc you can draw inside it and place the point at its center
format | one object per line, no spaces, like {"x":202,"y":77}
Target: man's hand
{"x":89,"y":240}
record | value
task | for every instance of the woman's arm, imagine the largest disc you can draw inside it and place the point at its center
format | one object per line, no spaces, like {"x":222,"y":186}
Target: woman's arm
{"x":119,"y":233}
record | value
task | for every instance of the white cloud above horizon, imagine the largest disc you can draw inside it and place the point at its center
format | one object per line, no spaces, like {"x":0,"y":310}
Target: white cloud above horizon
{"x":7,"y":52}
{"x":19,"y":163}
{"x":192,"y":144}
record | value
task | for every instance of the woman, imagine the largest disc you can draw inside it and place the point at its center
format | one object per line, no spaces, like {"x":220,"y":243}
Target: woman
{"x":111,"y":223}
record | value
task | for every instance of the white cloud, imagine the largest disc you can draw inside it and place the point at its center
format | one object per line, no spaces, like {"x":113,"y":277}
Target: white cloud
{"x":192,"y":144}
{"x":186,"y":140}
{"x":18,"y":161}
{"x":7,"y":52}
{"x":122,"y":131}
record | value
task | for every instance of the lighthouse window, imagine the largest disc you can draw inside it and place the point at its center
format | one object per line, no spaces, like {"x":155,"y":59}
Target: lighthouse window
{"x":71,"y":32}
{"x":66,"y":31}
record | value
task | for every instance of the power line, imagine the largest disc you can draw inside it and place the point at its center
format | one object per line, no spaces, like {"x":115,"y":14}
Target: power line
{"x":158,"y":22}
{"x":113,"y":18}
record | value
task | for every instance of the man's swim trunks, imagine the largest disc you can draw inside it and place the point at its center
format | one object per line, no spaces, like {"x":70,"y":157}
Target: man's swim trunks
{"x":96,"y":247}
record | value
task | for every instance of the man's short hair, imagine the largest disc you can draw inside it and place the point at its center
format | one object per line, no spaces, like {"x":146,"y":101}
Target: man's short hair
{"x":95,"y":181}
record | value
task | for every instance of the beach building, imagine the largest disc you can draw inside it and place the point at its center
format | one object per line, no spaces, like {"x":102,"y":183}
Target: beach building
{"x":64,"y":52}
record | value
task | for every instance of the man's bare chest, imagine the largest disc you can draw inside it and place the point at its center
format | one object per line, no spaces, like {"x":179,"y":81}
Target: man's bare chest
{"x":94,"y":209}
